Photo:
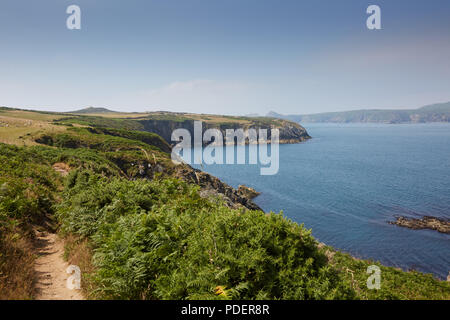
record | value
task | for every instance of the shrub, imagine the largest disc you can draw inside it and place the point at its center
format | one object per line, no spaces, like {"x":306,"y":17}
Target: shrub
{"x":161,"y":240}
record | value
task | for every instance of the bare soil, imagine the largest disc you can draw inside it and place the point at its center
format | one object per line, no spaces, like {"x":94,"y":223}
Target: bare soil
{"x":50,"y":269}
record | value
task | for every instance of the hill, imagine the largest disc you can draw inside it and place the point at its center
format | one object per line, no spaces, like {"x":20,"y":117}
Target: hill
{"x":92,"y":110}
{"x":431,"y":113}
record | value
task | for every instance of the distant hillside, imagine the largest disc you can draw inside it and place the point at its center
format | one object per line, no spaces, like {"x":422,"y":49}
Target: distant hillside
{"x":431,"y":113}
{"x":92,"y":110}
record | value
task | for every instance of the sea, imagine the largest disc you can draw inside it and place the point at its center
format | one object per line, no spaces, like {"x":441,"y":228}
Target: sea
{"x":350,"y":180}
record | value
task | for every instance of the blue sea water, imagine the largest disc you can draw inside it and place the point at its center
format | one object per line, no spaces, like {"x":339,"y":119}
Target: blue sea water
{"x":351,"y":179}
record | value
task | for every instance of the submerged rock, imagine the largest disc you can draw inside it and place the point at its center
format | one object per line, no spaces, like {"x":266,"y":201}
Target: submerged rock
{"x":426,"y":222}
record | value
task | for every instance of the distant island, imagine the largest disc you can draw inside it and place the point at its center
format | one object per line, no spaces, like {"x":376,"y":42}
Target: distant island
{"x":439,"y":112}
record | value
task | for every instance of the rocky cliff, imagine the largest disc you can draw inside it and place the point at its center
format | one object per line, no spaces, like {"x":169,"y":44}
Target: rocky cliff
{"x":211,"y":187}
{"x":290,"y":132}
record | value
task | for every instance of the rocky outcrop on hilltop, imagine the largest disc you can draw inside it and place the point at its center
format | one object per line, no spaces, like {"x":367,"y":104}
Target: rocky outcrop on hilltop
{"x":426,"y":222}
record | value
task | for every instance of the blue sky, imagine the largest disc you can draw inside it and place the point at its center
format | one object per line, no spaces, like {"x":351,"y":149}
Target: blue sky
{"x":224,"y":56}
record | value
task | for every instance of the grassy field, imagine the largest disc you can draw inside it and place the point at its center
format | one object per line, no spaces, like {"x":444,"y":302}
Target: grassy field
{"x":177,"y":116}
{"x":29,"y":115}
{"x":20,"y":127}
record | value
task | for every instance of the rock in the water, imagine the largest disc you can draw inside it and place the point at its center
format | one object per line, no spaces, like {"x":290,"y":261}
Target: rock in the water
{"x":426,"y":222}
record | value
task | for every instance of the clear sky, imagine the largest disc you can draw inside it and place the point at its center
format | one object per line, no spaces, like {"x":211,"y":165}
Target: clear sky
{"x":224,"y":56}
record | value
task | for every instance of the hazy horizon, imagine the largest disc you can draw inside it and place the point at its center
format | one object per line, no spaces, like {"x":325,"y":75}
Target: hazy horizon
{"x":224,"y":57}
{"x":49,"y":109}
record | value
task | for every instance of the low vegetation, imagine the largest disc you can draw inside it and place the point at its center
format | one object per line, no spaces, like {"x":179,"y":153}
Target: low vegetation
{"x":139,"y":233}
{"x":28,"y":187}
{"x":160,"y":240}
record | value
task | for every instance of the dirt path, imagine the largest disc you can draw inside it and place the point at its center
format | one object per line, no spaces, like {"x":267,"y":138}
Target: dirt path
{"x":50,"y":269}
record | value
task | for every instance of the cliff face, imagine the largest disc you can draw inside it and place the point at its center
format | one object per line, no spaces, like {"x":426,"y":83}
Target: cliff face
{"x":211,"y":187}
{"x":290,"y":132}
{"x":164,"y":128}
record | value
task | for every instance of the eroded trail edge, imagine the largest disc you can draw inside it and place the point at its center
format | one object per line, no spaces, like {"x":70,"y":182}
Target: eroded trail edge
{"x":50,"y":269}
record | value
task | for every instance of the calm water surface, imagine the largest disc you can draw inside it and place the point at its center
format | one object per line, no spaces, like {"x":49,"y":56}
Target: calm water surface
{"x":349,"y":180}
